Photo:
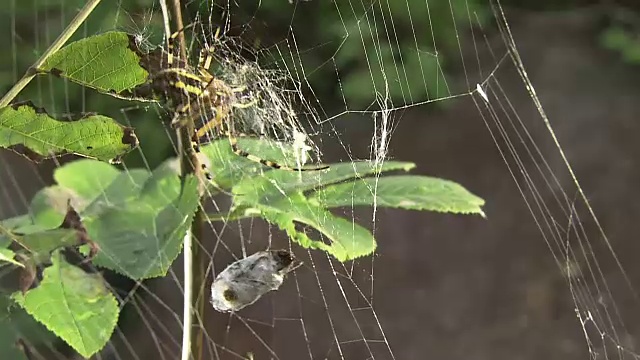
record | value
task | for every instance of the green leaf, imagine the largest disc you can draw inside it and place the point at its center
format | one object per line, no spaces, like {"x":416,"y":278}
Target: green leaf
{"x":6,"y":255}
{"x":37,"y":242}
{"x":4,"y":239}
{"x":142,"y":237}
{"x":289,"y":180}
{"x":276,"y":184}
{"x":47,"y":210}
{"x":615,"y":38}
{"x":408,"y":192}
{"x":73,"y":304}
{"x":41,"y":244}
{"x":232,"y":171}
{"x":6,"y":229}
{"x":16,"y":221}
{"x":347,"y":239}
{"x":86,"y":178}
{"x":34,"y":134}
{"x":109,"y":63}
{"x":277,"y":195}
{"x":228,"y":168}
{"x":138,"y":219}
{"x":124,"y":187}
{"x":631,"y":54}
{"x":90,"y":185}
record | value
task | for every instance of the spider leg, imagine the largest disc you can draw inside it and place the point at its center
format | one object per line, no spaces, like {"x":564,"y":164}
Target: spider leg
{"x":246,"y":105}
{"x":180,"y":77}
{"x":195,"y":147}
{"x":171,"y":48}
{"x":181,"y":115}
{"x":204,"y":61}
{"x":238,"y":89}
{"x":205,"y":58}
{"x":202,"y":57}
{"x":171,"y":44}
{"x":207,"y":63}
{"x":182,"y":73}
{"x":216,"y":122}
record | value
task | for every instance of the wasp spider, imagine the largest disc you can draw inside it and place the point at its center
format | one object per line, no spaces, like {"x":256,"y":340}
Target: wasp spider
{"x":197,"y":94}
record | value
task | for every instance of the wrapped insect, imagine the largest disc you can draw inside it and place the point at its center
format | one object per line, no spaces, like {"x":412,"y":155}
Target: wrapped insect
{"x":245,"y":281}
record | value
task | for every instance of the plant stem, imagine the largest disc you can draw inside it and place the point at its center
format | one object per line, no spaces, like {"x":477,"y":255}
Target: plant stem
{"x":55,"y":46}
{"x":194,"y":259}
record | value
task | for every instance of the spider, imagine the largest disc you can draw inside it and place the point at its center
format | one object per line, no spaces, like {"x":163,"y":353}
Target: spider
{"x":199,"y":94}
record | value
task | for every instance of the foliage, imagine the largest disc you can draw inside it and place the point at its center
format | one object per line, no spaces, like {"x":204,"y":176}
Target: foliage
{"x":133,"y":221}
{"x":74,"y":305}
{"x":625,"y":42}
{"x":37,"y":135}
{"x":107,"y":62}
{"x":60,"y":96}
{"x":285,"y":198}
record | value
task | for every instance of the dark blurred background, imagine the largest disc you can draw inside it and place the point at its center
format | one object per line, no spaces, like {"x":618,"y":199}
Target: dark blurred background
{"x":446,"y":287}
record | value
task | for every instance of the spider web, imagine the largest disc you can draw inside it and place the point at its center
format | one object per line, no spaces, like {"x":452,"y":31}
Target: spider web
{"x":540,"y":278}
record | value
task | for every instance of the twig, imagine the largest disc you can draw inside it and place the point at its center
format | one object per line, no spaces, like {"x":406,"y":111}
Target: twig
{"x":194,"y":261}
{"x":55,"y":46}
{"x":179,"y":26}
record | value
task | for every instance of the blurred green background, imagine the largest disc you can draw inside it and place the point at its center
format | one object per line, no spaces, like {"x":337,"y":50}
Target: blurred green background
{"x":349,"y":54}
{"x":343,"y":53}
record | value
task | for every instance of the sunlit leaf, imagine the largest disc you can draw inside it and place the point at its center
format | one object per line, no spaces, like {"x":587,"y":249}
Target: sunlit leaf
{"x":227,"y":168}
{"x":406,"y":192}
{"x":33,"y":133}
{"x":251,"y":179}
{"x":345,"y":240}
{"x":75,"y":305}
{"x":275,"y":183}
{"x":87,"y":178}
{"x":108,"y":62}
{"x":95,"y":187}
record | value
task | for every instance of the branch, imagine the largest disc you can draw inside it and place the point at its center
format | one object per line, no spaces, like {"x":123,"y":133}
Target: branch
{"x":194,"y":259}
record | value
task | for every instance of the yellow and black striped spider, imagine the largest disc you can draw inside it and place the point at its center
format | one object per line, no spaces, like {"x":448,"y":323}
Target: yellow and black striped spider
{"x":197,"y":94}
